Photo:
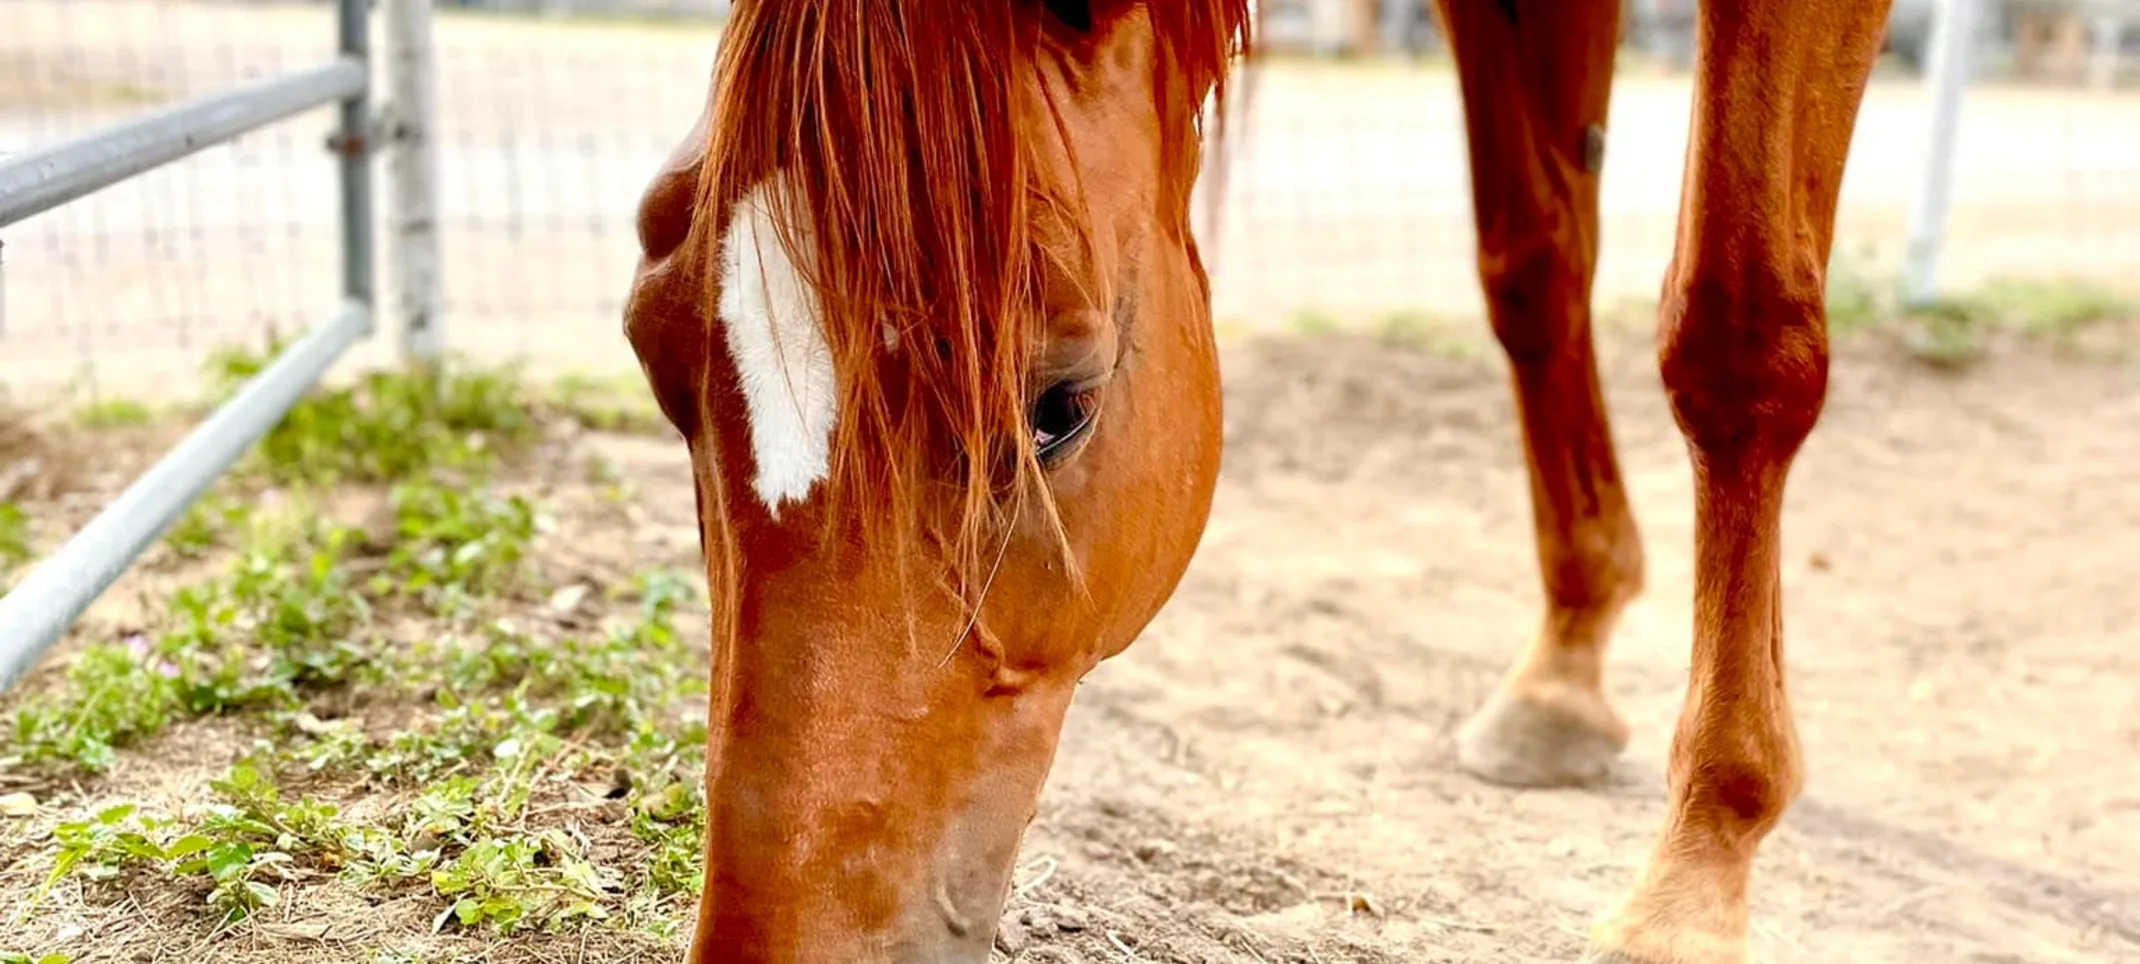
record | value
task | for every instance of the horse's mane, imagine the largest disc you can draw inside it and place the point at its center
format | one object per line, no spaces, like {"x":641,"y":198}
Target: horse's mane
{"x":895,"y":129}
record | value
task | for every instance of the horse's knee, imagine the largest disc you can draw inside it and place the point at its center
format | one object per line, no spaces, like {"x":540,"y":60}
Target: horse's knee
{"x":1537,"y":288}
{"x":1744,"y":357}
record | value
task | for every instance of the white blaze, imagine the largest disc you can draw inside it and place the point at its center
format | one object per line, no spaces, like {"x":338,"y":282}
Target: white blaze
{"x":776,"y":336}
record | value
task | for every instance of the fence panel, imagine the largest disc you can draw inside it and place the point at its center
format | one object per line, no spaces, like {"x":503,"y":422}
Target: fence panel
{"x":36,"y":613}
{"x":1347,"y":200}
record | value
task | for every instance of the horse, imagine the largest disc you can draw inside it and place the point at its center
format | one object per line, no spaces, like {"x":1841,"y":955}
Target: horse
{"x":920,"y":294}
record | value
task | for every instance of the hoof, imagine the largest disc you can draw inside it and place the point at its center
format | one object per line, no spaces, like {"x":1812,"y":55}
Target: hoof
{"x":1599,"y":955}
{"x":1605,"y":955}
{"x":1516,"y":741}
{"x":1686,"y":947}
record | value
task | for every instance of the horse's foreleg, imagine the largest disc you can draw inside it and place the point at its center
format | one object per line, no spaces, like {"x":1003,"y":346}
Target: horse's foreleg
{"x":1743,"y":346}
{"x":1535,"y":86}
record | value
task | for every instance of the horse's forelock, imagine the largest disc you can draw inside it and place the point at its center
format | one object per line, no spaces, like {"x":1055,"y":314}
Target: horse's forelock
{"x":893,"y":132}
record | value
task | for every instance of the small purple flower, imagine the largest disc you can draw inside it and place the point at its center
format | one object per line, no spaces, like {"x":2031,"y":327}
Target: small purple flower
{"x":144,"y":654}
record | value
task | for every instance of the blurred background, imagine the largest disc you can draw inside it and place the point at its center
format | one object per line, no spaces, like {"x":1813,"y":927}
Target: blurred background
{"x":1346,"y":204}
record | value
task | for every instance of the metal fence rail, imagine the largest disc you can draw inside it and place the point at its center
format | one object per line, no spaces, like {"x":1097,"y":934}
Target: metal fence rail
{"x":37,"y":613}
{"x":46,"y":179}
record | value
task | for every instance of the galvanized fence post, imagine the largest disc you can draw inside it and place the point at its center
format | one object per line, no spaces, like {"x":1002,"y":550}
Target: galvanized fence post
{"x":1953,"y":41}
{"x":2103,"y":58}
{"x":353,"y":145}
{"x":412,"y":166}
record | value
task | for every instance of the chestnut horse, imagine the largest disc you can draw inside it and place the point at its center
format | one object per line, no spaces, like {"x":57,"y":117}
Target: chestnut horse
{"x":921,"y":296}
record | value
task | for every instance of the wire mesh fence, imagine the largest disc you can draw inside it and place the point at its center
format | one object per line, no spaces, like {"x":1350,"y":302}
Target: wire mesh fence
{"x":1346,"y":197}
{"x":144,"y":277}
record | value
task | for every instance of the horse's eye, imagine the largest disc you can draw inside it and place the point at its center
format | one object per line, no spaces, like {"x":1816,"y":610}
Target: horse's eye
{"x":1075,"y":14}
{"x":1062,"y":415}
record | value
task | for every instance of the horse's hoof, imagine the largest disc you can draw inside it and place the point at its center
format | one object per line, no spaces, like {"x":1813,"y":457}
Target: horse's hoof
{"x":1517,"y":741}
{"x":1687,"y":948}
{"x":1600,"y":955}
{"x":1605,"y":955}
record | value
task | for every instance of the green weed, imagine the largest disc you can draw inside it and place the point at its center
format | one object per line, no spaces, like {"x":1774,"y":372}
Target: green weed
{"x":612,"y":686}
{"x":239,"y":848}
{"x":1314,"y":323}
{"x":112,"y":413}
{"x":1957,"y":330}
{"x":621,"y":404}
{"x":207,"y":525}
{"x":517,"y":715}
{"x":1947,"y":334}
{"x":672,"y":821}
{"x":453,"y":544}
{"x":2052,"y":309}
{"x":1422,"y":332}
{"x":1858,"y":298}
{"x":278,"y":624}
{"x":115,"y":697}
{"x":390,"y":425}
{"x":281,"y":620}
{"x":513,"y":719}
{"x":511,"y":881}
{"x":14,"y":537}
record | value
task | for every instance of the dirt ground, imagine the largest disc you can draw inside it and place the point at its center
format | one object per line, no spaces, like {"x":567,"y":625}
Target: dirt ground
{"x":1961,"y":659}
{"x":1268,"y":774}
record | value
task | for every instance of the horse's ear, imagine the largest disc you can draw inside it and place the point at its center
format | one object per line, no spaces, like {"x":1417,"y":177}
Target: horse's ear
{"x":1075,"y":14}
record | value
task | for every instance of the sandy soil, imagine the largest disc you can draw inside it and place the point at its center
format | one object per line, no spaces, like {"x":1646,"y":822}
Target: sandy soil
{"x":1268,"y":774}
{"x":1961,"y":660}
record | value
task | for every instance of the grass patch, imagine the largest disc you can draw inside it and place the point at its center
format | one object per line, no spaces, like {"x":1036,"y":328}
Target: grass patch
{"x":389,"y":425}
{"x":519,"y":720}
{"x":2057,"y":310}
{"x":1859,"y":300}
{"x":235,"y":851}
{"x":1958,"y":331}
{"x":292,"y":610}
{"x":289,"y":615}
{"x":206,"y":525}
{"x":414,"y":725}
{"x":1314,"y":323}
{"x":113,"y":413}
{"x":14,"y":538}
{"x":1419,"y":331}
{"x":281,"y":619}
{"x":453,"y":546}
{"x":619,"y":404}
